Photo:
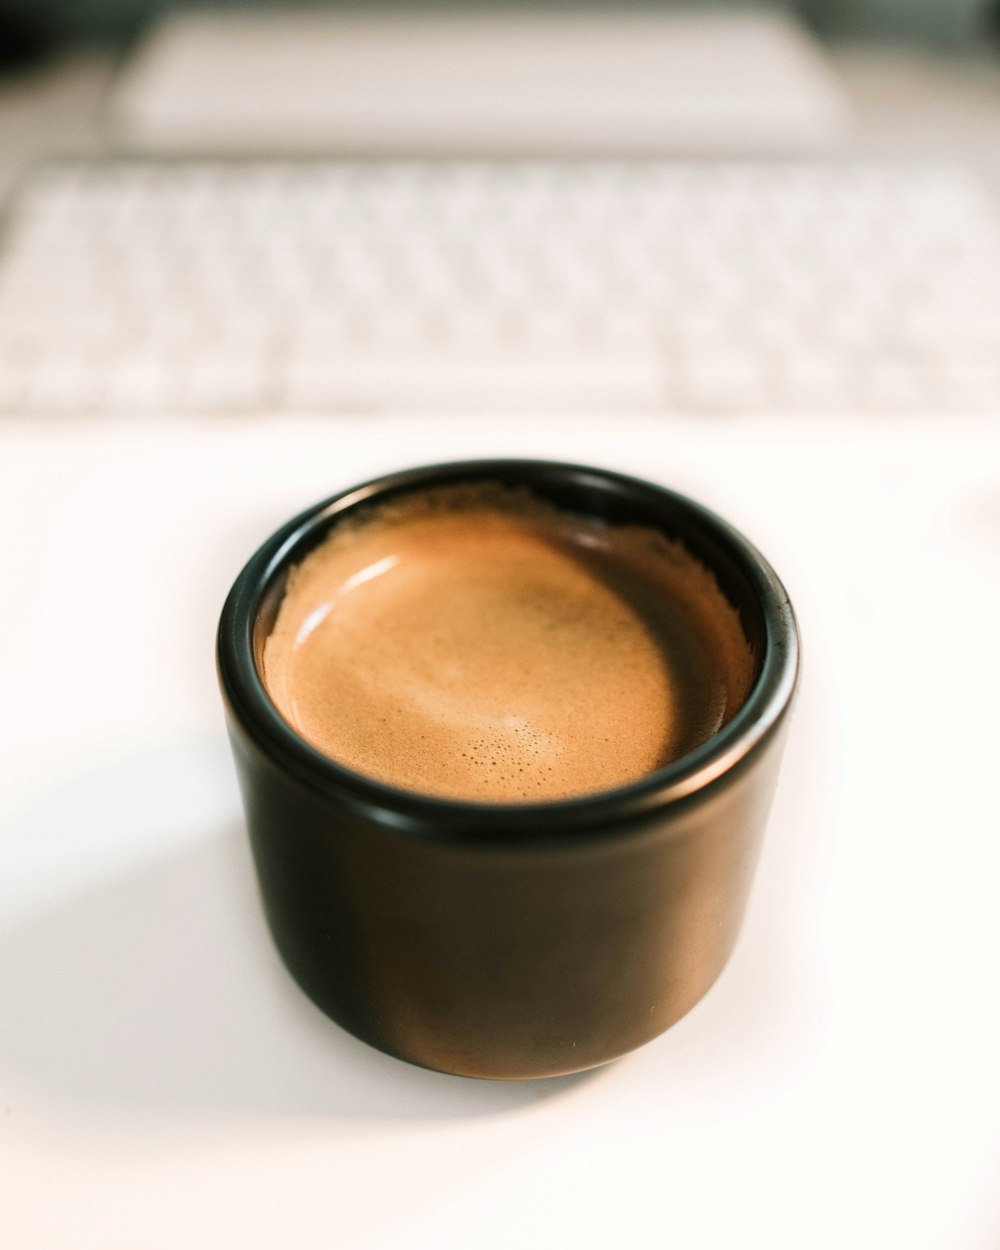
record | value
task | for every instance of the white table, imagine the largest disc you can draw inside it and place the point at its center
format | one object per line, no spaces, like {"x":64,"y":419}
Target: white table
{"x":164,"y":1084}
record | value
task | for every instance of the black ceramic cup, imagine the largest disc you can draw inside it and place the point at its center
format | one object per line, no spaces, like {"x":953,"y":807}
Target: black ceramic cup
{"x":509,"y":940}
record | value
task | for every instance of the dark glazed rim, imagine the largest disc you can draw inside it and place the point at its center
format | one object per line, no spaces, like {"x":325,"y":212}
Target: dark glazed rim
{"x":453,"y":820}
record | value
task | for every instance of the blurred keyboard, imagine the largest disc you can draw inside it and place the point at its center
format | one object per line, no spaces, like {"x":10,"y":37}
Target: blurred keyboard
{"x":320,"y":285}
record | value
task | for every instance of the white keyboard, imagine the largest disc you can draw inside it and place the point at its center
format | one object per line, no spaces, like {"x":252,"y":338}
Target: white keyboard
{"x":321,"y":285}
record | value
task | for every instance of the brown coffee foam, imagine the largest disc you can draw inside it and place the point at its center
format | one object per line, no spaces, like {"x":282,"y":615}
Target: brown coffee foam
{"x":473,"y":642}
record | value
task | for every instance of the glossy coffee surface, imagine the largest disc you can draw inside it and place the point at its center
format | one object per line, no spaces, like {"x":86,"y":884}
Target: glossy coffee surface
{"x":475,"y":643}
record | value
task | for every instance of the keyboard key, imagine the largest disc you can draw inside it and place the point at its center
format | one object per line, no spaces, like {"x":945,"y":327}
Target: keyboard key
{"x":539,"y":380}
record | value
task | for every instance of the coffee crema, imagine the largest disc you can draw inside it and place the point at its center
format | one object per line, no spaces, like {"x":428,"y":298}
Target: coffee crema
{"x":473,"y":642}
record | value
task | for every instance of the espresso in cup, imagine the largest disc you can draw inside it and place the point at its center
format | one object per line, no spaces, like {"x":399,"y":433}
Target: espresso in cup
{"x":420,"y":671}
{"x":474,"y":642}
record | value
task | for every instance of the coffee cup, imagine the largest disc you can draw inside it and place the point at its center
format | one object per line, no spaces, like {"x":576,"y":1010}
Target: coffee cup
{"x":510,"y":936}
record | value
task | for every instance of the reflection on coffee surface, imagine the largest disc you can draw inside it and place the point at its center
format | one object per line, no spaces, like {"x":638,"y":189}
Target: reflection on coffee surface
{"x":473,"y":642}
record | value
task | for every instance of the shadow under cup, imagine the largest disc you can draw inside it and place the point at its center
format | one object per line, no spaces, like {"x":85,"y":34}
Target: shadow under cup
{"x":502,"y":940}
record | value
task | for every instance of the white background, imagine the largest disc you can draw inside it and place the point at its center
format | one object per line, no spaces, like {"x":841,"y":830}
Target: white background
{"x":162,"y":1081}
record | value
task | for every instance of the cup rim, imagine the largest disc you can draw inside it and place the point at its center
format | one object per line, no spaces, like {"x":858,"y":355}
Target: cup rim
{"x":425,"y":815}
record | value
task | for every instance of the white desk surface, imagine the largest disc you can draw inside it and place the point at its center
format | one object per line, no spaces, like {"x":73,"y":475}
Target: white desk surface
{"x":164,"y":1084}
